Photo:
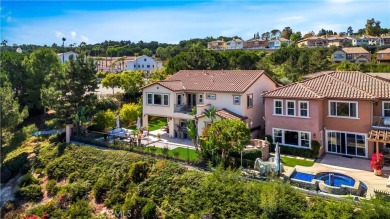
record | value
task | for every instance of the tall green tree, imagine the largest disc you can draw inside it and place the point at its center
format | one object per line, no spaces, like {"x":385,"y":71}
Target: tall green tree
{"x":286,"y":33}
{"x":10,"y":113}
{"x":228,"y":135}
{"x":39,"y":66}
{"x":147,"y":52}
{"x":132,"y":81}
{"x":130,"y":112}
{"x":72,"y":87}
{"x":373,"y":27}
{"x":296,"y":36}
{"x":349,"y":30}
{"x":111,"y":81}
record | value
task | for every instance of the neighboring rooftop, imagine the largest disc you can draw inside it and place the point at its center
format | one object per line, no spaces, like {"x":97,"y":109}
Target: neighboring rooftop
{"x":384,"y":51}
{"x":212,"y":80}
{"x":352,"y":50}
{"x":226,"y":114}
{"x":335,"y":84}
{"x":384,"y":76}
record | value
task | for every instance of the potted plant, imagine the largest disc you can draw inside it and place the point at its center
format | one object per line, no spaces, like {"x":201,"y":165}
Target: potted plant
{"x":377,"y":163}
{"x":159,"y":136}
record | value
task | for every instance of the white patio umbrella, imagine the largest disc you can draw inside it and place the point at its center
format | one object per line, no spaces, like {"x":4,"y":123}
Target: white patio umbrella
{"x":138,"y":123}
{"x":277,"y":157}
{"x":117,"y":122}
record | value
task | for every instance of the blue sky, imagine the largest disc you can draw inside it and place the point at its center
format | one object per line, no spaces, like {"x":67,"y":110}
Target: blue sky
{"x":46,"y":22}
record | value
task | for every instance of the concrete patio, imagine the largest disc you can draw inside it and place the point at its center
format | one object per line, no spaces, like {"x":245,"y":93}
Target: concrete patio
{"x":357,"y":168}
{"x":166,"y":141}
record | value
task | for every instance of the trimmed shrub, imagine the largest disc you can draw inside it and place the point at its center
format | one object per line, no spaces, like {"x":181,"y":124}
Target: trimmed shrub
{"x":51,"y":187}
{"x":28,"y":179}
{"x":149,"y":211}
{"x":73,"y":176}
{"x":31,"y":192}
{"x":76,"y":191}
{"x":80,"y":209}
{"x":139,"y":171}
{"x":11,"y":168}
{"x":100,"y":188}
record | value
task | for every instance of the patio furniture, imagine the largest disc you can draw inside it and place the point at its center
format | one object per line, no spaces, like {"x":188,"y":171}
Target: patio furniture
{"x":145,"y":134}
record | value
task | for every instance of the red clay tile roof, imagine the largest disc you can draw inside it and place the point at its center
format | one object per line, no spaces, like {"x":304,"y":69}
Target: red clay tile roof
{"x":340,"y":85}
{"x":352,"y":50}
{"x":211,"y":80}
{"x":384,"y":51}
{"x":226,"y":114}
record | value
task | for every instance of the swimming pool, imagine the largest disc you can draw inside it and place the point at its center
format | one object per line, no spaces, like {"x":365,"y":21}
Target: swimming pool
{"x":336,"y":179}
{"x":303,"y":176}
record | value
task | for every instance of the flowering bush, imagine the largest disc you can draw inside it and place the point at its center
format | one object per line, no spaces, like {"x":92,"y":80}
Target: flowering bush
{"x":45,"y":216}
{"x":377,"y":161}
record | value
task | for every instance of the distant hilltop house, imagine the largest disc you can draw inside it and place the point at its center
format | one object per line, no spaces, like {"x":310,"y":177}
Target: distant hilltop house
{"x":235,"y":44}
{"x":366,"y":40}
{"x":383,"y":55}
{"x":313,"y":41}
{"x":352,"y":54}
{"x":216,"y":45}
{"x":339,"y":41}
{"x":118,"y":64}
{"x":277,"y":44}
{"x":256,"y":44}
{"x":64,"y":57}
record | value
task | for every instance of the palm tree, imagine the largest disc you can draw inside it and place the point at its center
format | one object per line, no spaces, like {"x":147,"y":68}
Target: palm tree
{"x":4,"y":43}
{"x":63,"y":49}
{"x":82,"y":46}
{"x":192,"y":129}
{"x":210,"y":113}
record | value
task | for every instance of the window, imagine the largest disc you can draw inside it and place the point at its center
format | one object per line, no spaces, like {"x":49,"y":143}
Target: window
{"x":142,"y":66}
{"x":349,"y":56}
{"x":343,"y":109}
{"x":211,"y":96}
{"x":305,"y":142}
{"x":278,"y":135}
{"x":135,"y":66}
{"x":147,"y":66}
{"x":139,"y":66}
{"x":249,"y":100}
{"x":145,"y":60}
{"x":200,"y":98}
{"x":150,"y":99}
{"x":158,"y":99}
{"x":386,"y":109}
{"x":178,"y":99}
{"x":278,"y":106}
{"x":153,"y":66}
{"x":303,"y":108}
{"x":292,"y":138}
{"x":291,"y":108}
{"x":346,"y":143}
{"x":236,"y":100}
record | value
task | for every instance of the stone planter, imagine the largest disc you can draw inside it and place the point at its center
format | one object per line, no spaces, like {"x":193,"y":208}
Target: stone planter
{"x":378,"y":172}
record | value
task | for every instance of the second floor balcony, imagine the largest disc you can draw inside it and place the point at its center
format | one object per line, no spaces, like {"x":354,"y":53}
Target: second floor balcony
{"x":381,"y":122}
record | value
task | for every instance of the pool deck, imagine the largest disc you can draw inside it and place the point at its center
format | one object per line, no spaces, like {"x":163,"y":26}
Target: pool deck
{"x":357,"y":168}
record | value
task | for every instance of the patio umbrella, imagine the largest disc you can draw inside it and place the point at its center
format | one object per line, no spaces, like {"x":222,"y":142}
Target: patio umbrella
{"x":138,"y":123}
{"x":117,"y":122}
{"x":277,"y":157}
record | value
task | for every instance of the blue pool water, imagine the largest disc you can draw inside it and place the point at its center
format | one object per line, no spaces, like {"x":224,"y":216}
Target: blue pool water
{"x":303,"y":176}
{"x":338,"y":179}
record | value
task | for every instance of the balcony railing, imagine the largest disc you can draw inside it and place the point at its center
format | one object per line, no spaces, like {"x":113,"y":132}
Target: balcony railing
{"x":381,"y":122}
{"x":182,"y":109}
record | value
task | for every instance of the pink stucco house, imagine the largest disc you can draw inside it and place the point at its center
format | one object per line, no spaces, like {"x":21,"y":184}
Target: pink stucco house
{"x":337,"y":109}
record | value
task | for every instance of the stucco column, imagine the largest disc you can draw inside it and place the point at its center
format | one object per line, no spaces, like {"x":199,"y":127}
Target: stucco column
{"x":68,"y":131}
{"x":171,"y":126}
{"x":145,"y":121}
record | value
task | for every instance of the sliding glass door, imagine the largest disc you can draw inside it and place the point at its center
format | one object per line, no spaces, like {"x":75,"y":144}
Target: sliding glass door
{"x":346,"y":143}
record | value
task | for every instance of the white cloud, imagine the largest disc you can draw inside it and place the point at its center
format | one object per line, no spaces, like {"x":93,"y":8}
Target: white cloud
{"x":84,"y":39}
{"x":73,"y":34}
{"x":59,"y":35}
{"x":9,"y":19}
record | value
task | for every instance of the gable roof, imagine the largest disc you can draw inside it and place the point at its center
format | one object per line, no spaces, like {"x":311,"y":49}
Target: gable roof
{"x":335,"y":84}
{"x":64,"y":53}
{"x":226,"y":114}
{"x":384,"y":51}
{"x":352,"y":50}
{"x":235,"y":81}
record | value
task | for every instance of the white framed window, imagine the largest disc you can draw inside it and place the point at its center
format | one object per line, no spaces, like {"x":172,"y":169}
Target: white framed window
{"x":200,"y":98}
{"x":278,"y":107}
{"x":386,"y":108}
{"x":344,"y":109}
{"x":236,"y":100}
{"x":303,"y":108}
{"x":211,"y":96}
{"x":178,"y":99}
{"x":292,"y":138}
{"x":157,"y":99}
{"x":290,"y":108}
{"x":249,"y":100}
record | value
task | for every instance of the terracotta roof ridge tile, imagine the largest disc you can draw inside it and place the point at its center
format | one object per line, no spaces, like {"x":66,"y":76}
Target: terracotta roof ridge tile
{"x":318,"y":94}
{"x":349,"y":85}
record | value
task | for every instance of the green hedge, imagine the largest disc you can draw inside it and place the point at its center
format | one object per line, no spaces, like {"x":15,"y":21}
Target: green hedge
{"x":12,"y":167}
{"x":31,"y":192}
{"x":301,"y":152}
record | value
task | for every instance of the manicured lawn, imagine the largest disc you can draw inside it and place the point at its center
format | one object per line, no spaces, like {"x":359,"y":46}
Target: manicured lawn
{"x":154,"y":124}
{"x":292,"y":162}
{"x":183,"y":153}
